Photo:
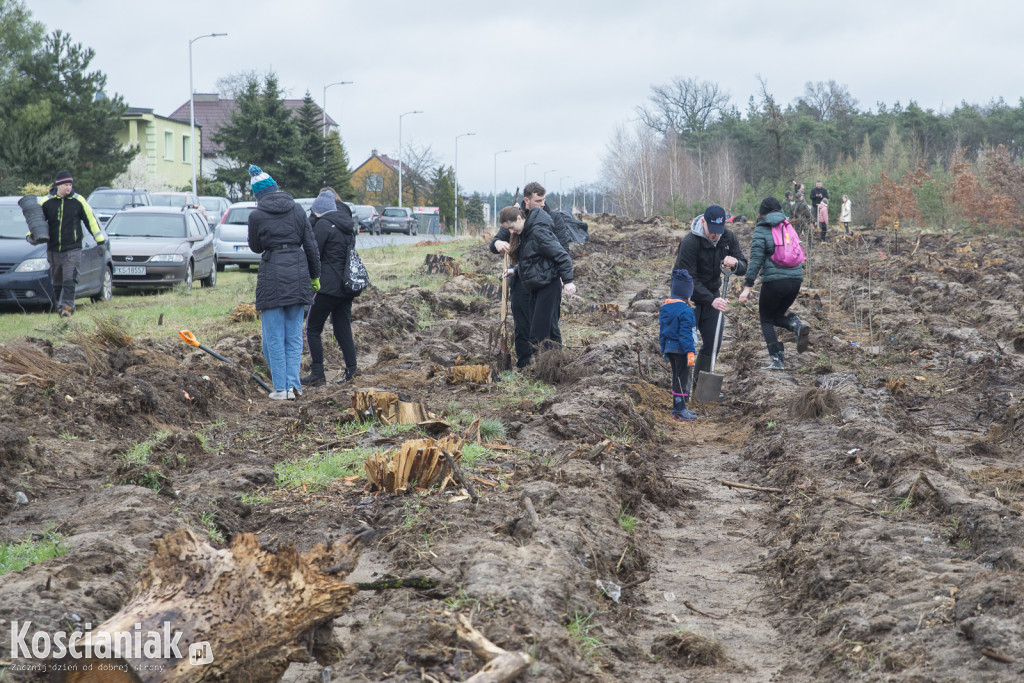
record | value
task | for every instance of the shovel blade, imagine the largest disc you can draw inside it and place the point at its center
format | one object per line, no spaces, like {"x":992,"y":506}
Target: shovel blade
{"x":709,"y":387}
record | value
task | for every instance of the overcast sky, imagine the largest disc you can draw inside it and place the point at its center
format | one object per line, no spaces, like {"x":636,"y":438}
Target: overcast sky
{"x":549,"y":83}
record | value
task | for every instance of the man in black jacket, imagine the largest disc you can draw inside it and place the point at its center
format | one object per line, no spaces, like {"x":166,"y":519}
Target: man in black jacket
{"x":703,"y":253}
{"x":66,"y":211}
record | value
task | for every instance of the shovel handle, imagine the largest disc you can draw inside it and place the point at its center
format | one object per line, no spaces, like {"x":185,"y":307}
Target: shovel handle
{"x":188,"y":337}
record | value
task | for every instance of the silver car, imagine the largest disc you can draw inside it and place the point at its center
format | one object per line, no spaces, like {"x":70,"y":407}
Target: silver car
{"x":231,"y":240}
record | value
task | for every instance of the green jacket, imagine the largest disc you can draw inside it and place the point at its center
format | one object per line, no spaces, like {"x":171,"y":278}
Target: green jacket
{"x":761,"y":249}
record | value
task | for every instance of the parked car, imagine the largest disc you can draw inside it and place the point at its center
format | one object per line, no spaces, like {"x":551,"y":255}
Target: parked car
{"x":368,"y":217}
{"x":306,"y":203}
{"x":215,"y":208}
{"x":398,"y":219}
{"x":231,"y":239}
{"x":159,"y":246}
{"x":25,"y":272}
{"x":178,"y":199}
{"x":105,"y":202}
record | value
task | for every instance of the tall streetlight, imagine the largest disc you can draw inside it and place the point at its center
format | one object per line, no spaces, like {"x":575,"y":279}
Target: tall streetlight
{"x":324,"y":113}
{"x":400,"y":153}
{"x":494,"y":192}
{"x":560,"y":191}
{"x":461,"y":135}
{"x":525,"y":179}
{"x":192,"y":107}
{"x":546,"y":177}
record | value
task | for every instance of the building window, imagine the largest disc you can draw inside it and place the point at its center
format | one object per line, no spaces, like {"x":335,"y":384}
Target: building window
{"x":168,"y":145}
{"x":186,"y":149}
{"x":374,"y":182}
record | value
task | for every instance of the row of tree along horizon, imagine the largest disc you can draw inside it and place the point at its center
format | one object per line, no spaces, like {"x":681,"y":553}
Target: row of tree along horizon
{"x":691,"y":146}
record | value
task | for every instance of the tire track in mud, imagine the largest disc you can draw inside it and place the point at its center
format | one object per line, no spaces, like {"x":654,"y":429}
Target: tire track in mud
{"x":706,"y":579}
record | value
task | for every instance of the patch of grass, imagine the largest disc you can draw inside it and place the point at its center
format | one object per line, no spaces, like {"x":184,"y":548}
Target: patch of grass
{"x":579,"y":627}
{"x":316,"y":472}
{"x":474,"y":453}
{"x":901,"y":506}
{"x":16,"y":556}
{"x":517,"y":388}
{"x":254,"y":499}
{"x":461,"y":601}
{"x":206,"y":519}
{"x":68,"y":436}
{"x":413,"y":513}
{"x":404,"y":263}
{"x":492,"y":428}
{"x":628,"y":522}
{"x":397,"y":430}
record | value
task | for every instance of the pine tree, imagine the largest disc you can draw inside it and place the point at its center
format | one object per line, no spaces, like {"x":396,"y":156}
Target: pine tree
{"x":475,"y":210}
{"x":262,"y":131}
{"x":310,"y":131}
{"x":336,"y":172}
{"x":442,"y":192}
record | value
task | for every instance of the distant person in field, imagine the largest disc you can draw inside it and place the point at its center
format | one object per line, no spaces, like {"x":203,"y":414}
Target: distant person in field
{"x":801,"y":217}
{"x":542,"y":266}
{"x":678,"y":338}
{"x":779,"y":286}
{"x":823,"y":218}
{"x":846,"y":213}
{"x":787,"y":204}
{"x":818,"y":194}
{"x":534,"y":195}
{"x":702,"y":253}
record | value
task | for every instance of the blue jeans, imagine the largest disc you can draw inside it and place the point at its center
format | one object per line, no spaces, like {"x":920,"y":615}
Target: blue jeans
{"x":282,"y":345}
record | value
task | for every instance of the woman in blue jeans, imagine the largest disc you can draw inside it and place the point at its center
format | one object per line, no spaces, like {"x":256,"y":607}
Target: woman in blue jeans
{"x":289,"y":274}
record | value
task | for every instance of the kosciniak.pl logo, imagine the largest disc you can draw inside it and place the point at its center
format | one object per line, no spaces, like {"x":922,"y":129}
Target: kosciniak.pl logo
{"x":133,"y":644}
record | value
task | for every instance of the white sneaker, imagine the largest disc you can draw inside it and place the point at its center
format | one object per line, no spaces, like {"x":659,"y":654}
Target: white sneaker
{"x":291,"y":394}
{"x":279,"y":395}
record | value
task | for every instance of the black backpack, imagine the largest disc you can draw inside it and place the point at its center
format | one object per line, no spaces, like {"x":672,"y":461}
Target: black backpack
{"x":355,"y":278}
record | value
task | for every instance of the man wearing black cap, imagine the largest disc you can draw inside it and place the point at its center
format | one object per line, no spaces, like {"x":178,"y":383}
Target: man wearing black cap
{"x":703,"y":253}
{"x":66,"y":211}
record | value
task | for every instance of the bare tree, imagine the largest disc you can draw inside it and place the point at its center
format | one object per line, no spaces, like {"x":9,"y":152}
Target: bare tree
{"x":685,"y":107}
{"x":828,"y":101}
{"x":229,"y":86}
{"x":631,"y":168}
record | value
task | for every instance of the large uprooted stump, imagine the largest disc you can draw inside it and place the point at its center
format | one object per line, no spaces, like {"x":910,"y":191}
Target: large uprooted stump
{"x":249,"y":604}
{"x":439,"y":264}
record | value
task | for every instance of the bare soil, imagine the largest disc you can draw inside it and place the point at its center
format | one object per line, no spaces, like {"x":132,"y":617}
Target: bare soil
{"x":890,"y":548}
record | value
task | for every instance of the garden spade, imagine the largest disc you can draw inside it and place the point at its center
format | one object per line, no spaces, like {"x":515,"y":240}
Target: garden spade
{"x":190,"y":338}
{"x":709,"y":385}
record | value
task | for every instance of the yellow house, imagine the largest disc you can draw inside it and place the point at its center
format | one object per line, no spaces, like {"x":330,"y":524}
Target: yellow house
{"x":165,"y":149}
{"x":375,"y":181}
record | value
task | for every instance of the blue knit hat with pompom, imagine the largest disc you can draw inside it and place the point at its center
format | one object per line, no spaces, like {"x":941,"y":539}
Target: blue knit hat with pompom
{"x":261,"y":182}
{"x":682,"y":284}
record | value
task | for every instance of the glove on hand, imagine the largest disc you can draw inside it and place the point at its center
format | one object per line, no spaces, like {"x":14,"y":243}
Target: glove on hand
{"x":100,"y":238}
{"x":690,"y":359}
{"x":315,"y":281}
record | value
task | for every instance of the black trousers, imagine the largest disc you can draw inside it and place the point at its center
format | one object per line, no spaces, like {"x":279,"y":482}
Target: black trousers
{"x":522,"y":317}
{"x":773,"y":304}
{"x":544,"y":304}
{"x":340,"y":311}
{"x":680,"y":374}
{"x":707,"y":321}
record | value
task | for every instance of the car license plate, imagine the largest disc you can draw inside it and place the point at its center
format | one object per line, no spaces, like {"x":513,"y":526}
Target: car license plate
{"x":129,"y":270}
{"x":242,"y":248}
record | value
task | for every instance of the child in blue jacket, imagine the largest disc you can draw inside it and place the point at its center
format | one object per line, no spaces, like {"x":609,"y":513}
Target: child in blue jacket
{"x":679,"y":340}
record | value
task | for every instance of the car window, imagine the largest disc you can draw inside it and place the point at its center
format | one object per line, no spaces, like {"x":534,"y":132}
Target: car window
{"x":395,"y":212}
{"x":193,"y":226}
{"x":240,"y":215}
{"x":211,"y":203}
{"x":110,"y":200}
{"x":168,"y":199}
{"x":12,"y":223}
{"x":363,"y":211}
{"x":143,"y":225}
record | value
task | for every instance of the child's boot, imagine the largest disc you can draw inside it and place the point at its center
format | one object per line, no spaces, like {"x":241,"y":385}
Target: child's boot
{"x":679,"y":410}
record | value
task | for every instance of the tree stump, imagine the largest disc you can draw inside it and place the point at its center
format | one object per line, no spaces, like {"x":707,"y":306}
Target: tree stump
{"x":439,"y":264}
{"x":249,"y":605}
{"x":478,"y":374}
{"x":418,"y":462}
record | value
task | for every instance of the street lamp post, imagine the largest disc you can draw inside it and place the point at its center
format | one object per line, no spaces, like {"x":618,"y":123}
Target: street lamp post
{"x":494,"y":191}
{"x":192,"y":107}
{"x":560,"y":191}
{"x":400,"y":153}
{"x":546,"y":177}
{"x":324,"y":114}
{"x":461,"y":135}
{"x":525,"y":179}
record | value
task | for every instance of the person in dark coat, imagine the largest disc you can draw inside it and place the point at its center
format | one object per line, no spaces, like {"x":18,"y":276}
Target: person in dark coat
{"x":779,"y":286}
{"x":702,"y":254}
{"x":533,"y":196}
{"x":543,"y":267}
{"x":335,"y":233}
{"x":289,"y":274}
{"x":66,"y":212}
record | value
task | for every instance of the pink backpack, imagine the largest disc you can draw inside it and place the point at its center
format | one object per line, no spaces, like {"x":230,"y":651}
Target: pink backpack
{"x":788,"y":252}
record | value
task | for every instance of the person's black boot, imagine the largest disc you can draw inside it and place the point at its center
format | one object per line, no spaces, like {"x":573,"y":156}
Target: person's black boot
{"x":315,"y":377}
{"x":800,"y":329}
{"x":776,"y":352}
{"x":349,"y":374}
